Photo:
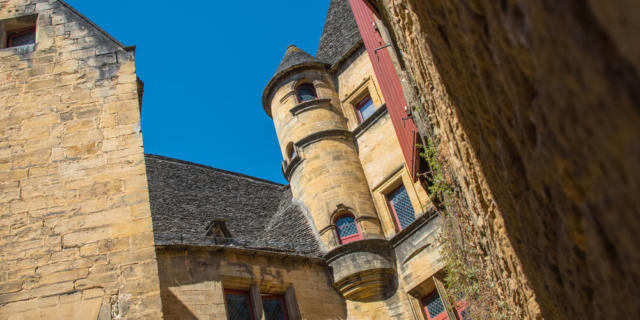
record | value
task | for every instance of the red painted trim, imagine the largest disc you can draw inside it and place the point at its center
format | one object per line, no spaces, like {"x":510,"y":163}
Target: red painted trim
{"x":461,"y":306}
{"x":349,"y":238}
{"x":393,"y":209}
{"x":387,"y":79}
{"x":361,"y":104}
{"x":241,"y":293}
{"x":20,"y":32}
{"x":282,"y":303}
{"x":442,"y":316}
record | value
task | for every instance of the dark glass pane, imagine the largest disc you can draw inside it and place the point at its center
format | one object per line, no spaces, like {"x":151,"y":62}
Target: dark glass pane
{"x":346,"y":226}
{"x":23,"y":38}
{"x":402,"y":205}
{"x":306,"y":92}
{"x":465,"y":314}
{"x":273,"y":308}
{"x":238,"y":306}
{"x":366,"y":109}
{"x":434,"y":305}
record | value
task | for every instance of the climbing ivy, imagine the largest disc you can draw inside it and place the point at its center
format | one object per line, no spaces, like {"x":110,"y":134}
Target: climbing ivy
{"x":468,"y":269}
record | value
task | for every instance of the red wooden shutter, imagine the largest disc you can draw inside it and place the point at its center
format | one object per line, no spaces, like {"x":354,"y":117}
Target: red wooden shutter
{"x":388,"y":80}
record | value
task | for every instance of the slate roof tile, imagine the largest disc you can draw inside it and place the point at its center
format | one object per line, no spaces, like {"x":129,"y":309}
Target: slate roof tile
{"x":185,"y":197}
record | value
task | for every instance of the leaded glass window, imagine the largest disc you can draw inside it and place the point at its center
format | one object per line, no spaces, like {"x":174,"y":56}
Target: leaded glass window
{"x":274,"y":308}
{"x":238,"y":305}
{"x":401,"y":207}
{"x":434,"y":307}
{"x":347,"y":228}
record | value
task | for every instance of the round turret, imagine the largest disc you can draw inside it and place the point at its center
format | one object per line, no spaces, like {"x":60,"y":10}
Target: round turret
{"x":321,"y":160}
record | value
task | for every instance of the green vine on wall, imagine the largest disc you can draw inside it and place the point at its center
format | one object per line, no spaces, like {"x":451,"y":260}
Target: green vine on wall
{"x":468,"y":269}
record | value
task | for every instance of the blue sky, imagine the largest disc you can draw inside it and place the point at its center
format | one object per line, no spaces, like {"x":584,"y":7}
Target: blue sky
{"x":205,"y":64}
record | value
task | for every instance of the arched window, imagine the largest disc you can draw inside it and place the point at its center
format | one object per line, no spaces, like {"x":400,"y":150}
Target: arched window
{"x":348,"y":230}
{"x":306,"y":92}
{"x":291,"y":151}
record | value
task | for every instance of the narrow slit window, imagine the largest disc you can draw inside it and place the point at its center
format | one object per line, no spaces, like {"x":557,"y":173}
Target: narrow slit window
{"x":238,"y":305}
{"x":365,"y":109}
{"x":21,"y":37}
{"x":274,"y":307}
{"x":348,"y":230}
{"x":291,"y":151}
{"x":306,"y":92}
{"x":401,"y":207}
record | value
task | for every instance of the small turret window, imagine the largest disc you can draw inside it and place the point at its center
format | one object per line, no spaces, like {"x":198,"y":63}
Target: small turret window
{"x":291,"y":151}
{"x":348,"y":230}
{"x":306,"y":92}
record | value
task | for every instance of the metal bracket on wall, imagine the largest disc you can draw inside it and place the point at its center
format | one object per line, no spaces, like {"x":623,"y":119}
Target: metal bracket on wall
{"x":381,"y":47}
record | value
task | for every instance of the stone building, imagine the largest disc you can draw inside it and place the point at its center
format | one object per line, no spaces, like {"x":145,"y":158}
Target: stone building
{"x":93,"y":228}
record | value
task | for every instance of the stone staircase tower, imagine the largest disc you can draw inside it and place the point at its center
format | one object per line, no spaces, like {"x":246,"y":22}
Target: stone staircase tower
{"x":324,"y":170}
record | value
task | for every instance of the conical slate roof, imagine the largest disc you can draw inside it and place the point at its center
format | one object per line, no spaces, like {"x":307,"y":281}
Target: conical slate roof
{"x":294,"y":58}
{"x":340,"y":32}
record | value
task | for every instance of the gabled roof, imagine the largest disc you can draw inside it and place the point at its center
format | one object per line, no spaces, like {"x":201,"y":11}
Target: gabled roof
{"x":340,"y":32}
{"x":186,"y":197}
{"x":95,"y":26}
{"x":294,"y":58}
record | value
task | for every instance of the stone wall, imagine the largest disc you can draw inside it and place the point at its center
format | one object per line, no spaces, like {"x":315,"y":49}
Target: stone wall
{"x":193,"y":282}
{"x":535,"y":108}
{"x":75,"y":227}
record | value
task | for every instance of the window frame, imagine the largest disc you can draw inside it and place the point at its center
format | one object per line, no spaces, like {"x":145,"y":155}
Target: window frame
{"x":247,"y":294}
{"x":444,"y":315}
{"x":309,"y":85}
{"x":392,"y":209}
{"x":350,"y":238}
{"x":361,"y":103}
{"x":460,"y":307}
{"x":18,"y":32}
{"x":283,"y":302}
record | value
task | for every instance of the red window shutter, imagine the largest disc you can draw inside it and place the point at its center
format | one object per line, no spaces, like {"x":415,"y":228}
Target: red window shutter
{"x":388,"y":80}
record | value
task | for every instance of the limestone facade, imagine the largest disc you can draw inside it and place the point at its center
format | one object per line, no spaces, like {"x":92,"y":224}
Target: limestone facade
{"x":533,"y":104}
{"x":76,"y":238}
{"x":94,"y":228}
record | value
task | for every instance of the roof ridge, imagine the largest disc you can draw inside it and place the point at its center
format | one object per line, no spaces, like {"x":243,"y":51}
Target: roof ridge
{"x":242,"y":175}
{"x":93,"y":24}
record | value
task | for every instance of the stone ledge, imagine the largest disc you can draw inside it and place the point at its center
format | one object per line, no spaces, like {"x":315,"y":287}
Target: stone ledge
{"x":288,"y":169}
{"x":363,"y":270}
{"x":365,"y":125}
{"x":310,"y":105}
{"x":314,"y":137}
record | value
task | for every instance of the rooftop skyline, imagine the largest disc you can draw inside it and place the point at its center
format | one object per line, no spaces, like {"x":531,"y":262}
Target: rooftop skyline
{"x":204,"y":70}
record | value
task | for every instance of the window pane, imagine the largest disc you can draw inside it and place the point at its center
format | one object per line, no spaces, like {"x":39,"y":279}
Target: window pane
{"x":346,"y":226}
{"x":399,"y":199}
{"x":306,"y":92}
{"x":274,"y":308}
{"x":465,"y":314}
{"x":22,"y":38}
{"x":433,"y":305}
{"x":238,"y":306}
{"x":366,"y":108}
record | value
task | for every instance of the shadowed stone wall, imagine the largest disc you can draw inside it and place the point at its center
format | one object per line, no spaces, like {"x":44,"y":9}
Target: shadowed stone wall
{"x":535,"y":106}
